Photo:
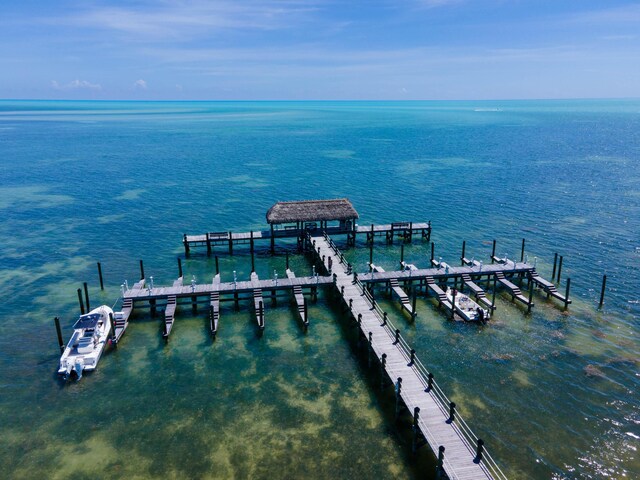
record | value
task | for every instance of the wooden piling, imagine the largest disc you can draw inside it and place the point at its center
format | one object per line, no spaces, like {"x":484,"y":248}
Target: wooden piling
{"x":230,"y":243}
{"x":141,"y":270}
{"x":253,"y":261}
{"x":555,"y":263}
{"x":493,"y":299}
{"x":273,"y":240}
{"x":566,"y":295}
{"x":522,"y":252}
{"x":479,"y":450}
{"x":433,"y":246}
{"x":100,"y":276}
{"x":530,"y":303}
{"x":453,"y":305}
{"x":383,"y":367}
{"x":112,"y":323}
{"x":440,"y":464}
{"x":559,"y":269}
{"x":179,"y":267}
{"x":208,"y":237}
{"x":86,"y":296}
{"x":370,"y":253}
{"x":287,"y":260}
{"x":59,"y":332}
{"x":152,"y":307}
{"x":416,"y":429}
{"x":194,"y":304}
{"x":464,"y":247}
{"x":398,"y":396}
{"x":602,"y":290}
{"x":493,"y":251}
{"x":401,"y":254}
{"x":186,"y":245}
{"x":80,"y":301}
{"x":217,"y":266}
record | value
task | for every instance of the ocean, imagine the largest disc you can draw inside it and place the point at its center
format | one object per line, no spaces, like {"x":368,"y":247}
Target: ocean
{"x":553,"y":394}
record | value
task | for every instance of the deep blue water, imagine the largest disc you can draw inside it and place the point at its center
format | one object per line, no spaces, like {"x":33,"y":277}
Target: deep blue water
{"x":554,"y":394}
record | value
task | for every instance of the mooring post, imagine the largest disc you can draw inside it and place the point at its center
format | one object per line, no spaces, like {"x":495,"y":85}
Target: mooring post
{"x":306,"y":314}
{"x":429,"y":382}
{"x":530,"y":303}
{"x":112,"y":323}
{"x":208,"y":244}
{"x":261,"y":313}
{"x":566,"y":295}
{"x":559,"y":269}
{"x":371,"y":253}
{"x":141,"y":270}
{"x":59,"y":332}
{"x":416,"y":429}
{"x":555,"y":263}
{"x":413,"y":357}
{"x":453,"y":305}
{"x":401,"y":254}
{"x":604,"y":286}
{"x":273,"y":241}
{"x":86,"y":296}
{"x":179,"y":267}
{"x":370,"y":348}
{"x":493,"y":251}
{"x":522,"y":252}
{"x":398,"y":396}
{"x":464,"y":247}
{"x":100,"y":276}
{"x":230,"y":243}
{"x":493,"y":299}
{"x":479,"y":450}
{"x":80,"y":301}
{"x":413,"y":303}
{"x":286,"y":256}
{"x":384,"y":319}
{"x":440,"y":464}
{"x":433,"y":246}
{"x":452,"y":412}
{"x":397,"y":337}
{"x":383,"y":366}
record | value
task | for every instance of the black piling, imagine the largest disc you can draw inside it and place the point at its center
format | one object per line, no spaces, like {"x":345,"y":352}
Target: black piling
{"x":413,"y":303}
{"x":370,"y":350}
{"x":452,"y":412}
{"x":479,"y":450}
{"x":433,"y":246}
{"x":493,"y":251}
{"x":398,"y":396}
{"x":208,"y":237}
{"x":555,"y":264}
{"x":530,"y":303}
{"x":59,"y":332}
{"x":186,"y":245}
{"x":217,"y":265}
{"x":566,"y":295}
{"x":80,"y":301}
{"x":559,"y":269}
{"x":522,"y":252}
{"x":429,"y":382}
{"x":383,"y":366}
{"x":401,"y":254}
{"x":141,"y":270}
{"x":371,"y":253}
{"x":602,"y":290}
{"x":86,"y":296}
{"x":397,"y":340}
{"x":253,"y":261}
{"x":440,"y":464}
{"x":113,"y":329}
{"x":287,"y":260}
{"x":453,"y":305}
{"x":179,"y":267}
{"x":493,"y":298}
{"x":100,"y":276}
{"x":464,"y":247}
{"x":230,"y":243}
{"x":416,"y":429}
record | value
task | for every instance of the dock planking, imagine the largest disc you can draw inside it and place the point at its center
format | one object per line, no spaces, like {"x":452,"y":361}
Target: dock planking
{"x":403,"y":298}
{"x":412,"y":384}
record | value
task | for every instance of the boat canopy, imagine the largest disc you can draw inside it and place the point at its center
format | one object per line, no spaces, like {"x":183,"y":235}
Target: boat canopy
{"x":88,"y":321}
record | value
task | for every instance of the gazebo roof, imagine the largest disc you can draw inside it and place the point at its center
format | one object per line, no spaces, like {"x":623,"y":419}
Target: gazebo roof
{"x":311,"y":210}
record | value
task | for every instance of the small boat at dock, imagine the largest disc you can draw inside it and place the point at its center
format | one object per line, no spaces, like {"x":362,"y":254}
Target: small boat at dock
{"x":90,"y":335}
{"x":464,"y":306}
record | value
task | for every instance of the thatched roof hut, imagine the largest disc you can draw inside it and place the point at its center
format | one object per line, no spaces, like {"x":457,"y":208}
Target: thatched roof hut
{"x":311,"y":211}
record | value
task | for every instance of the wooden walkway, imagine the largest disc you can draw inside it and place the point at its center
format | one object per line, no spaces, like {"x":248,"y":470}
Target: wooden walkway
{"x":210,"y":240}
{"x":425,"y":401}
{"x":403,"y":298}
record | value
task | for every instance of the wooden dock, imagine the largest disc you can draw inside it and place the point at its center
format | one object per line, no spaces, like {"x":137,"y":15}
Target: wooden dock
{"x":403,"y":298}
{"x":228,"y":240}
{"x":299,"y":299}
{"x":434,"y":416}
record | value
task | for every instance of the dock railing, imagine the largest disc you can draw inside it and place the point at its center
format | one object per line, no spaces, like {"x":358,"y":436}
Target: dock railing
{"x":470,"y":438}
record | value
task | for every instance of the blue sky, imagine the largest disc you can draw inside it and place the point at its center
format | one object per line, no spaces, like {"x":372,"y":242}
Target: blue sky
{"x":319,"y":49}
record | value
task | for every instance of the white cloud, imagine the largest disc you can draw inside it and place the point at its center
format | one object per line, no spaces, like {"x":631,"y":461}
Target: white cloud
{"x":76,"y":85}
{"x":140,"y":84}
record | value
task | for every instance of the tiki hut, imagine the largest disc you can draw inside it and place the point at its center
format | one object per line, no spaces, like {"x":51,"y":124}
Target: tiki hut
{"x":313,"y":213}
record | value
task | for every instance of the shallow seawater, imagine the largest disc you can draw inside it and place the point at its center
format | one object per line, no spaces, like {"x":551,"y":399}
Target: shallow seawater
{"x":554,"y":394}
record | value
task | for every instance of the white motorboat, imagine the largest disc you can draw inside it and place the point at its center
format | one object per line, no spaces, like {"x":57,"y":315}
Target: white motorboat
{"x":469,"y":310}
{"x":90,"y":335}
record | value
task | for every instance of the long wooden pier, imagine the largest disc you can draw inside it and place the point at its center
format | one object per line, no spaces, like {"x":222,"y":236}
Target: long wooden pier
{"x":461,"y":455}
{"x":228,"y":240}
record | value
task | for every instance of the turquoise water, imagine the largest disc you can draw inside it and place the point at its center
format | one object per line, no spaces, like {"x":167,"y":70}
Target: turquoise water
{"x":553,"y":394}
